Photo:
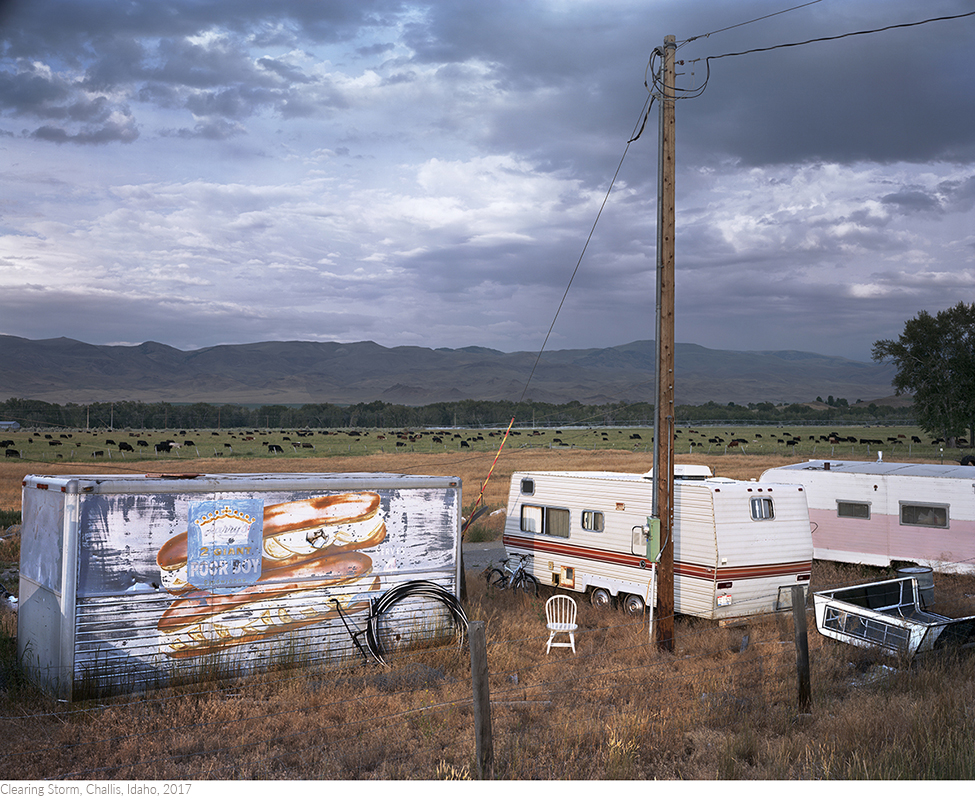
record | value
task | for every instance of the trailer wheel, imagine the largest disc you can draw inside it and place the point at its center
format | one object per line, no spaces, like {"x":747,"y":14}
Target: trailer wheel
{"x":633,"y":604}
{"x":601,"y":598}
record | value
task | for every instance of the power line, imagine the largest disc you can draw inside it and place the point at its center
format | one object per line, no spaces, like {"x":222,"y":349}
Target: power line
{"x":749,"y":22}
{"x":645,"y":112}
{"x":844,"y":35}
{"x":697,"y":92}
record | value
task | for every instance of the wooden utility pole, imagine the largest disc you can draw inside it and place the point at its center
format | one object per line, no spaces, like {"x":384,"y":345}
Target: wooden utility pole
{"x":663,"y":439}
{"x":483,"y":738}
{"x":802,"y":648}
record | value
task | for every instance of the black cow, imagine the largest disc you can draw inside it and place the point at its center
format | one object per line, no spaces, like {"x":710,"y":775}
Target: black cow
{"x":164,"y":447}
{"x":13,"y":453}
{"x":125,"y":446}
{"x":274,"y":448}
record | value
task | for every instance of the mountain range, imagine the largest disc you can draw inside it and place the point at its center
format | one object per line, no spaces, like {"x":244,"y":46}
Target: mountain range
{"x":68,"y":371}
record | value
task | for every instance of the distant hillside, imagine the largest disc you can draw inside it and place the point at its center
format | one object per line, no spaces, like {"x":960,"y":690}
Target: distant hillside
{"x":68,"y":371}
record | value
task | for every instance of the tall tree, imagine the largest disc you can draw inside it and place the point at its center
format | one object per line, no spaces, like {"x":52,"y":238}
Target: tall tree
{"x":935,"y":360}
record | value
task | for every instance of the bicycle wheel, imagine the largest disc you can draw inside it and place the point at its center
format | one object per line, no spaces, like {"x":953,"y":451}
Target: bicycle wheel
{"x":527,"y":583}
{"x":496,"y":579}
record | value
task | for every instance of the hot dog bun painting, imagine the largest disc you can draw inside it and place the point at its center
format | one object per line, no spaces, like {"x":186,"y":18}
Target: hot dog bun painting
{"x":244,"y":572}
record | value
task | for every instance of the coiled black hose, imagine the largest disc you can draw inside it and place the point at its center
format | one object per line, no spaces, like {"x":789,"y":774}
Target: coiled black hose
{"x":410,"y":589}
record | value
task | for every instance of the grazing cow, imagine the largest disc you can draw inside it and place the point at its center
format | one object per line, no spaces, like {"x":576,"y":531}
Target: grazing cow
{"x":163,"y":447}
{"x":274,"y":448}
{"x":98,"y":454}
{"x":142,"y":443}
{"x":635,"y":436}
{"x":122,"y":446}
{"x":464,"y":443}
{"x":13,"y":453}
{"x":55,"y":443}
{"x":110,"y":441}
{"x":189,"y":443}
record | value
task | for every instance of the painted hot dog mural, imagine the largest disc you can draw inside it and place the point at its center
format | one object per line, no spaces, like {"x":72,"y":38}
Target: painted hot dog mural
{"x":244,"y":572}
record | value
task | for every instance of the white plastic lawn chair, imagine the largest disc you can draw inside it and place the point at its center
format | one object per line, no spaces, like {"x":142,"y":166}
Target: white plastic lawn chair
{"x":560,"y":612}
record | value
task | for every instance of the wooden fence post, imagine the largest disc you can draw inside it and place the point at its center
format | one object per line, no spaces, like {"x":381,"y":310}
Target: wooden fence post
{"x":484,"y":742}
{"x":802,"y":648}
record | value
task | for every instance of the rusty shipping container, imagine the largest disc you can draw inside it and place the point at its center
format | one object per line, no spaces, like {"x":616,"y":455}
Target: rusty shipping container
{"x":131,"y":582}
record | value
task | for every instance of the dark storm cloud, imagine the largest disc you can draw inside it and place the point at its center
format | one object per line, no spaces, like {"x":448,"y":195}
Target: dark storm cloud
{"x":430,"y":172}
{"x":869,"y":97}
{"x":908,"y":200}
{"x":145,"y":52}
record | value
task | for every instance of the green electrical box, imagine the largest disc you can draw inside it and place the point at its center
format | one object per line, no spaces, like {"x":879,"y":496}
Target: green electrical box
{"x":653,"y":538}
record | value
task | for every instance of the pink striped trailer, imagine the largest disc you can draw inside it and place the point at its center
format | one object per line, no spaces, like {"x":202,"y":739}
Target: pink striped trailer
{"x":886,"y":513}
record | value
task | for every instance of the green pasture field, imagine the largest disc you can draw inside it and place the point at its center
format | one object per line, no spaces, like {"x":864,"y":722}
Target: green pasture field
{"x":897,"y":443}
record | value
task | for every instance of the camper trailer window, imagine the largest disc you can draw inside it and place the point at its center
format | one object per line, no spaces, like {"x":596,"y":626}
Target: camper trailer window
{"x":762,"y":508}
{"x":854,"y":510}
{"x":531,"y":519}
{"x":527,"y":486}
{"x":557,"y":522}
{"x":592,"y":520}
{"x":547,"y":521}
{"x":928,"y":516}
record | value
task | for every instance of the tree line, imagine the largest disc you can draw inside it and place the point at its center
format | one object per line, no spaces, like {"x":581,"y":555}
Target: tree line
{"x":459,"y":414}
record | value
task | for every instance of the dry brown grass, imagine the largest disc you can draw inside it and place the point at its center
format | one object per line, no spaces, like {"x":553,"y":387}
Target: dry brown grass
{"x":722,"y":706}
{"x":471,"y":468}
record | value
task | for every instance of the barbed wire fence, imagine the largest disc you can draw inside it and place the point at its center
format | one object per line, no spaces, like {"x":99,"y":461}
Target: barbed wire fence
{"x":582,"y":714}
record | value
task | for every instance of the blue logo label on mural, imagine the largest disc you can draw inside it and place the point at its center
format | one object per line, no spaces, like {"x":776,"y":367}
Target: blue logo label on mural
{"x":224,"y":541}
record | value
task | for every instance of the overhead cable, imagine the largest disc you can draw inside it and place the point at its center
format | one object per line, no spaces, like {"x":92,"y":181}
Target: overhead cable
{"x":697,"y":92}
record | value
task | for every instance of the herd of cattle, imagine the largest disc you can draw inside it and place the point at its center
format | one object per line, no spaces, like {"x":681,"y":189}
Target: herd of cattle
{"x":405,"y":438}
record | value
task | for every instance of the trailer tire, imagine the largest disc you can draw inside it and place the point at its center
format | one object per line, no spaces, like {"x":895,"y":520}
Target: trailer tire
{"x":600,"y":598}
{"x":633,"y":604}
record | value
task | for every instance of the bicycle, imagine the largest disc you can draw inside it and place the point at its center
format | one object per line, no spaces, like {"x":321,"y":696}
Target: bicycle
{"x":515,"y":578}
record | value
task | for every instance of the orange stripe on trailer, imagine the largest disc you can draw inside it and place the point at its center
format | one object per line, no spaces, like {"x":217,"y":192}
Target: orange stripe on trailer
{"x":682,"y":568}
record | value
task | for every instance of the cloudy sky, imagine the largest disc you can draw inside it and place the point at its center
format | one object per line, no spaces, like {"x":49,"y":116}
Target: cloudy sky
{"x":198,"y":172}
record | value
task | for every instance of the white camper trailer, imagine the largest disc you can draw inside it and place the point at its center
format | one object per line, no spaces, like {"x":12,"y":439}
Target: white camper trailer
{"x":739,"y":547}
{"x":881,"y":512}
